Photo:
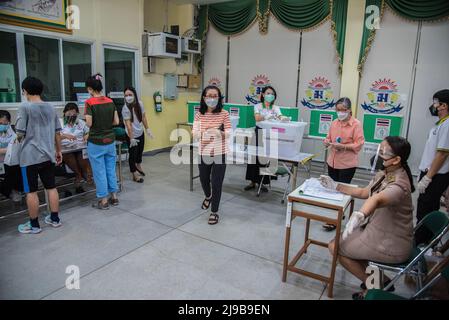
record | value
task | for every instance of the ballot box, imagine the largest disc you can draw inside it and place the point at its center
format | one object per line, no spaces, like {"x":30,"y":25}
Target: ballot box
{"x":286,"y":136}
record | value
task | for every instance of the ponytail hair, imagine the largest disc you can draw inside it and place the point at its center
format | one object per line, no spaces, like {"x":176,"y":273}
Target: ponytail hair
{"x":401,"y":148}
{"x":94,"y":82}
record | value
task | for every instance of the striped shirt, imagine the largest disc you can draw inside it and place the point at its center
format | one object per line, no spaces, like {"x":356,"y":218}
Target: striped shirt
{"x":207,"y":128}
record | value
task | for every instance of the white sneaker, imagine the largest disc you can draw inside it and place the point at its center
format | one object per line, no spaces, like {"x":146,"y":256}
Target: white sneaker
{"x":15,"y":196}
{"x":54,"y":224}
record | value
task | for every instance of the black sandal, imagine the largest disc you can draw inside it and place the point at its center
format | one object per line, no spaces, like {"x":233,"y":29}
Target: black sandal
{"x":206,"y":203}
{"x":138,"y":180}
{"x":100,"y":205}
{"x":329,"y":227}
{"x":140,"y":172}
{"x":358,"y":296}
{"x":386,"y":283}
{"x":213,"y":218}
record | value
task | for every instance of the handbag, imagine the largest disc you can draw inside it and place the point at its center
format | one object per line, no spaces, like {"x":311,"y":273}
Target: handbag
{"x":12,"y":156}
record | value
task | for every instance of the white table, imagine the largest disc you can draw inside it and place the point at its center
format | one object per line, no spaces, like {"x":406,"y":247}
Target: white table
{"x":318,"y":209}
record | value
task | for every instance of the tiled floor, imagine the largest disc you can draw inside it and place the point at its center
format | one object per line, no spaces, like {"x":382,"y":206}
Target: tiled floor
{"x":157,"y":245}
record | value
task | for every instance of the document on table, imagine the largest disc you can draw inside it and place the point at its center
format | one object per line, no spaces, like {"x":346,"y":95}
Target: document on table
{"x":313,"y":188}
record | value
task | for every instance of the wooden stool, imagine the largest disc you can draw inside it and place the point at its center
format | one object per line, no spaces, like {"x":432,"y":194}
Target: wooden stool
{"x":323,"y":210}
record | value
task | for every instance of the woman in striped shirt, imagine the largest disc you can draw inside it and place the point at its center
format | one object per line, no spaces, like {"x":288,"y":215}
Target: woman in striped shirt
{"x":211,"y":128}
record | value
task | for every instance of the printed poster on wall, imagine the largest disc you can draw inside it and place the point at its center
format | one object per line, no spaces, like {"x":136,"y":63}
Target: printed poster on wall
{"x":255,"y":89}
{"x":43,"y":14}
{"x":234,"y":112}
{"x":325,"y":123}
{"x":382,"y":128}
{"x":319,"y":94}
{"x":384,"y":98}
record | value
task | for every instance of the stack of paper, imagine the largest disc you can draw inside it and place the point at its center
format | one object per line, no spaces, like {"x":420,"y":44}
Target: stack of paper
{"x":313,"y":188}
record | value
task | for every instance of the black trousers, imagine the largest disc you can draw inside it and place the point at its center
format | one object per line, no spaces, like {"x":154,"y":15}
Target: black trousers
{"x":135,"y":154}
{"x":253,"y":170}
{"x":341,"y":175}
{"x":212,"y":172}
{"x":12,"y":180}
{"x":428,"y":202}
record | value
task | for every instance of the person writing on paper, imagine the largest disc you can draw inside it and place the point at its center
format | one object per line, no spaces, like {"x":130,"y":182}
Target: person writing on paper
{"x":382,"y":229}
{"x":75,"y":130}
{"x":344,"y":140}
{"x":265,"y":110}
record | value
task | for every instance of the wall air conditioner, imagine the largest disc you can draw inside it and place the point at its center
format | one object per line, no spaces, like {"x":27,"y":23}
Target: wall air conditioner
{"x":161,"y":45}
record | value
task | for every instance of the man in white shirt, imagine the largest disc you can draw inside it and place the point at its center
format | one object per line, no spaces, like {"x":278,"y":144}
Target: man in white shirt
{"x":434,"y":166}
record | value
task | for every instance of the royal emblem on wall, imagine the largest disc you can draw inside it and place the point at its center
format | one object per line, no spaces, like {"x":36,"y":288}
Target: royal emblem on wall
{"x":319,"y":94}
{"x":257,"y":84}
{"x":214,"y":82}
{"x":383,"y":98}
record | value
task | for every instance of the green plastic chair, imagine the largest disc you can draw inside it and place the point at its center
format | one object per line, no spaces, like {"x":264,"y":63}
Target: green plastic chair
{"x":281,"y":171}
{"x":438,"y":224}
{"x":377,"y":294}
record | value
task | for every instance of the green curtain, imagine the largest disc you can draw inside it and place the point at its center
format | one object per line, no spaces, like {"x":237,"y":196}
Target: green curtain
{"x":339,"y":16}
{"x":300,"y":15}
{"x":368,"y":34}
{"x":234,"y":17}
{"x":421,"y":10}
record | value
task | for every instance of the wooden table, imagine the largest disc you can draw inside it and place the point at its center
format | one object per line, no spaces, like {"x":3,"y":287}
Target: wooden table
{"x":318,"y":209}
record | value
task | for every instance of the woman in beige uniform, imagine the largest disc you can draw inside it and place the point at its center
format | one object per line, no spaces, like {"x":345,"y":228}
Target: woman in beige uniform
{"x":382,"y":230}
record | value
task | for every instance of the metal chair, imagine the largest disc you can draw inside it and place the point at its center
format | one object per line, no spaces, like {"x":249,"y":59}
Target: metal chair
{"x":280,"y":171}
{"x":437,"y":223}
{"x":442,"y":272}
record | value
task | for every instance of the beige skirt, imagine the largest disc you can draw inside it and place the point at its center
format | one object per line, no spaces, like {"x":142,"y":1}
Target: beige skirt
{"x":352,"y":247}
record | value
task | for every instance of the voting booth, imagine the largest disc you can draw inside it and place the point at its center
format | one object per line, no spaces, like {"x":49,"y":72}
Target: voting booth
{"x":288,"y":135}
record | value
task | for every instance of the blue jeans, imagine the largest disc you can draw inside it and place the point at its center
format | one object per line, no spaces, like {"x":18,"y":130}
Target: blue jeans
{"x":102,"y":159}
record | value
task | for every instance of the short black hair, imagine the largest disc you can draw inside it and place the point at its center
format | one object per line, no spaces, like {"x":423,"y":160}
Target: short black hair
{"x":33,"y":86}
{"x":203,"y":105}
{"x":94,"y":82}
{"x":71,"y":106}
{"x":5,"y":114}
{"x":262,"y":98}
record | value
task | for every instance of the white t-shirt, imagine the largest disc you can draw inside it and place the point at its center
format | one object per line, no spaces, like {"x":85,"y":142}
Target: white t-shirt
{"x":137,"y":125}
{"x":267,"y":113}
{"x":438,"y":140}
{"x":7,"y":137}
{"x":79,"y":130}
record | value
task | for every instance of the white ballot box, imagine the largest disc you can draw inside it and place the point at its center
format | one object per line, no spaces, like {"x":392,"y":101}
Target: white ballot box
{"x":288,"y":134}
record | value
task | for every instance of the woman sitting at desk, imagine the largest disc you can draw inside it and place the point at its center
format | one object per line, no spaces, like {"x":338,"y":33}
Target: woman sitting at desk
{"x":266,"y":110}
{"x":382,"y":230}
{"x":75,"y":130}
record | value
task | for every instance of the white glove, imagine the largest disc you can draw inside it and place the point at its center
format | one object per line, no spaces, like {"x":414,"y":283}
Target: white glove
{"x":424,"y":183}
{"x":133,"y":143}
{"x":356,"y":220}
{"x":327,"y":182}
{"x":149,"y":133}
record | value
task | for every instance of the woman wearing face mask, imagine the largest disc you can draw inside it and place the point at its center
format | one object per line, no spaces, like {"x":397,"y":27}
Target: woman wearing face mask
{"x":133,"y":114}
{"x":211,"y":128}
{"x":382,"y":229}
{"x":265,"y":110}
{"x":75,"y":130}
{"x":344,"y":140}
{"x":101,"y":116}
{"x":12,"y":183}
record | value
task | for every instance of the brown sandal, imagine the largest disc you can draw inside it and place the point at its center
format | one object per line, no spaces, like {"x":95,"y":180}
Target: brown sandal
{"x":213,"y":218}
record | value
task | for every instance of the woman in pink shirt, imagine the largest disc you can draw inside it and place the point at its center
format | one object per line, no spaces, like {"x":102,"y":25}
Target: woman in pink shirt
{"x":345,"y":140}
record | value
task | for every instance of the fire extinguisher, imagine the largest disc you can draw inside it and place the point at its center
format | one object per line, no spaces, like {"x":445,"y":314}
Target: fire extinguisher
{"x":157,"y":97}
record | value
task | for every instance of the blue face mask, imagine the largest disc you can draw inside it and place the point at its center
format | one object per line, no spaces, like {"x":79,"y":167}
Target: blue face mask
{"x":4,"y":127}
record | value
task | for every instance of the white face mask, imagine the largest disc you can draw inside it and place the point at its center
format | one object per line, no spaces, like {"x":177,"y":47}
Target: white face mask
{"x":342,"y":115}
{"x":129,"y":99}
{"x":211,"y":103}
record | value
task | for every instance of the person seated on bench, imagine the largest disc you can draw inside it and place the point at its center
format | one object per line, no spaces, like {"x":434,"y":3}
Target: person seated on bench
{"x":12,"y":184}
{"x":75,"y":130}
{"x":382,"y":229}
